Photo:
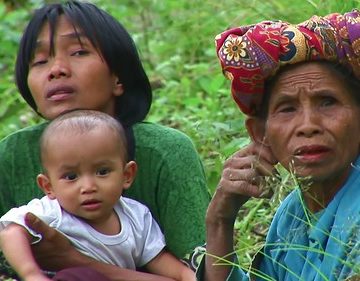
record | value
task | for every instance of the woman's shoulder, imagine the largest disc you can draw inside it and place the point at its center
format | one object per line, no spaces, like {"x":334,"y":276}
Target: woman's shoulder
{"x":24,"y":136}
{"x":149,"y":129}
{"x":289,"y":213}
{"x":154,"y":135}
{"x":291,"y":204}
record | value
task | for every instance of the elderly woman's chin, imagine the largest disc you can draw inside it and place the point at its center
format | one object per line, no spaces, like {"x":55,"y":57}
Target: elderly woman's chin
{"x":319,"y":173}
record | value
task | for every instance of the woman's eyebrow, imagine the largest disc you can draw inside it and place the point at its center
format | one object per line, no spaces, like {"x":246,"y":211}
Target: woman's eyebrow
{"x":73,"y":35}
{"x":79,"y":36}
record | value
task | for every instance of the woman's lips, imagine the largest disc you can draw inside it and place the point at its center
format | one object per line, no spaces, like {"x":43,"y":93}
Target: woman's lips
{"x":313,"y":153}
{"x":59,"y":93}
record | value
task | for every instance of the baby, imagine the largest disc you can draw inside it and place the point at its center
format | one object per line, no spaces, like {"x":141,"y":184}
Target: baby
{"x":85,"y":170}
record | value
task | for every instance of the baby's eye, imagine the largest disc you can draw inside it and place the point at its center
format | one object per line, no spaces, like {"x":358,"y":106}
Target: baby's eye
{"x":70,"y":176}
{"x":103,"y":171}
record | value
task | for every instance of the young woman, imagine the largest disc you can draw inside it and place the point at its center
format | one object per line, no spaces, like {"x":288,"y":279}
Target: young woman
{"x":76,"y":56}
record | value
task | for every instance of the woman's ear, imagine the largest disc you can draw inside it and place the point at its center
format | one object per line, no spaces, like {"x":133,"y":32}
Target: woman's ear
{"x":44,"y":184}
{"x":256,"y":129}
{"x":130,"y":170}
{"x":118,"y":88}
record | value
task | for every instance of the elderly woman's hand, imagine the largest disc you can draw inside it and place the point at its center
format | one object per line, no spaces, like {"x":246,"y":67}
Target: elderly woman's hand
{"x":242,"y":178}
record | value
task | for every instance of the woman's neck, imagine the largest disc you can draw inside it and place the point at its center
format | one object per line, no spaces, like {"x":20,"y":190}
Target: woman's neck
{"x":319,"y":194}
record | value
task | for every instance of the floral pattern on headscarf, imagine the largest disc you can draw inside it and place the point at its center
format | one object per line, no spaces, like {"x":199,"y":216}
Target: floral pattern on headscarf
{"x":251,"y":54}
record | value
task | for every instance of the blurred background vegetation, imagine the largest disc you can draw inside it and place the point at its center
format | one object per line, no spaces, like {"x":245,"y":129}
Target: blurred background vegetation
{"x":175,"y":39}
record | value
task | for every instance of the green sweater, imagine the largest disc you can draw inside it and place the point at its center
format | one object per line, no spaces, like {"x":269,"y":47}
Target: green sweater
{"x":170,"y":180}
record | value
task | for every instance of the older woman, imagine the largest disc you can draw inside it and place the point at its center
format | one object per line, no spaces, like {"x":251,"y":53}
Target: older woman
{"x":299,"y":86}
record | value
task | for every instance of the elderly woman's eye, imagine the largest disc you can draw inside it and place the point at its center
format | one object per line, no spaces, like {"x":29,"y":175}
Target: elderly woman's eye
{"x":286,"y":108}
{"x":328,"y":101}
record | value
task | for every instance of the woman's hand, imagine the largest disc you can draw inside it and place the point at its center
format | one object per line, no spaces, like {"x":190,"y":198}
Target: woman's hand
{"x":54,"y":252}
{"x":241,"y":179}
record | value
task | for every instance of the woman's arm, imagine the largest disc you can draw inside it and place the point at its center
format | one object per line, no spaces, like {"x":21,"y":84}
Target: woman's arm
{"x":240,"y":180}
{"x":55,"y":252}
{"x":165,"y":264}
{"x":15,"y":244}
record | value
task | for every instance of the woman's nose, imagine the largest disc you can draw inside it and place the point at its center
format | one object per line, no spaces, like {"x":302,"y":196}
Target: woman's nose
{"x":59,"y":68}
{"x":309,"y":123}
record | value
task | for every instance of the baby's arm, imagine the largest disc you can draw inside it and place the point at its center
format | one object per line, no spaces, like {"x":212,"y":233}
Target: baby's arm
{"x":165,"y":264}
{"x":15,"y":244}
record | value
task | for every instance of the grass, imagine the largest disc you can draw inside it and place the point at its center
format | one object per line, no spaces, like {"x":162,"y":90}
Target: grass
{"x":248,"y":249}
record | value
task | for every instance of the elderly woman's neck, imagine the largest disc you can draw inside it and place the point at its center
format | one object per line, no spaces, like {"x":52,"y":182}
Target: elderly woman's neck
{"x":319,"y":194}
{"x":316,"y":201}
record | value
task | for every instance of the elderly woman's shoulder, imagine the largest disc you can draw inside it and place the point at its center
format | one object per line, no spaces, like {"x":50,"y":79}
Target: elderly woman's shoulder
{"x":289,"y":213}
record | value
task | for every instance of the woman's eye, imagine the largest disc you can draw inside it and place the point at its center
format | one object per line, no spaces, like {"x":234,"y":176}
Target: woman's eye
{"x":286,"y":109}
{"x":103,"y":171}
{"x":79,"y":53}
{"x":328,"y":101}
{"x":37,"y":62}
{"x":70,"y":176}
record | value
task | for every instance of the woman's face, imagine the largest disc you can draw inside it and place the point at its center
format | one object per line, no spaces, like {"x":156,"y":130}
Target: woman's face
{"x":313,"y":123}
{"x":74,"y":77}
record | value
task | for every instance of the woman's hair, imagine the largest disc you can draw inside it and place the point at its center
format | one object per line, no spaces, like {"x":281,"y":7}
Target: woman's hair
{"x":109,"y":37}
{"x":351,"y":83}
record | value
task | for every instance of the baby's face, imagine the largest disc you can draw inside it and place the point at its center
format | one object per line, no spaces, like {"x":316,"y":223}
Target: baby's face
{"x":86,"y":172}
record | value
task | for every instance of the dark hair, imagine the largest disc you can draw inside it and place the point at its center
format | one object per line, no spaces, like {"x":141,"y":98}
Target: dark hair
{"x":112,"y":41}
{"x":351,"y":83}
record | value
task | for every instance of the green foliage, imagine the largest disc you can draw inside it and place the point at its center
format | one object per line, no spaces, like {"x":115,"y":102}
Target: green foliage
{"x":176,"y":43}
{"x":13,"y":112}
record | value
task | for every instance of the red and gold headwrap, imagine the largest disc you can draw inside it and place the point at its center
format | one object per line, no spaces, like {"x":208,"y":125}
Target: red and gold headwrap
{"x":251,"y":54}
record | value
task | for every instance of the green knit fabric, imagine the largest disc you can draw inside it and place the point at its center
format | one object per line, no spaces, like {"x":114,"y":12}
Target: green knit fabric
{"x":170,"y":180}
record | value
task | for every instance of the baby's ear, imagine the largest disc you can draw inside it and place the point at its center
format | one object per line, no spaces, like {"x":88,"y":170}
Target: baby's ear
{"x":130,"y":170}
{"x":44,"y":184}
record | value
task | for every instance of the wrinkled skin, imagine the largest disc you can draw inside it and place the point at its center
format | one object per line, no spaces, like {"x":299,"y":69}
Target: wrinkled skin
{"x":309,"y":129}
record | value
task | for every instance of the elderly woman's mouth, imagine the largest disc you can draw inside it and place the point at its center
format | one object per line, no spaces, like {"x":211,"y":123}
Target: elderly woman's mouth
{"x":311,"y":153}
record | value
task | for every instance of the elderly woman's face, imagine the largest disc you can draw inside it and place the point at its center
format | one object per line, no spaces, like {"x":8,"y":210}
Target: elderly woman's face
{"x":313,"y":125}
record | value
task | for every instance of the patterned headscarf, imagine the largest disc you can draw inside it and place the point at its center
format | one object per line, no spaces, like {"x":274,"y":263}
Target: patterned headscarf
{"x":251,"y":54}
